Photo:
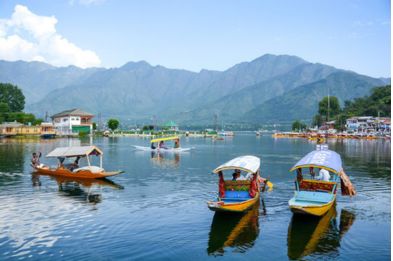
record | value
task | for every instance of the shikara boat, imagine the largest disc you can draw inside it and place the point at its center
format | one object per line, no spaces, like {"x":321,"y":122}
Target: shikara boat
{"x":238,"y":195}
{"x":314,"y":196}
{"x":155,"y":147}
{"x":73,"y":170}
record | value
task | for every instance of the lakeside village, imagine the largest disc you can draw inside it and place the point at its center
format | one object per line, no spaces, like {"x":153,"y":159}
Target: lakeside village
{"x":330,"y":122}
{"x":76,"y":122}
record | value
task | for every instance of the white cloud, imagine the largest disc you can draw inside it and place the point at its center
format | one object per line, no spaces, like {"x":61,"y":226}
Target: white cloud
{"x":30,"y":37}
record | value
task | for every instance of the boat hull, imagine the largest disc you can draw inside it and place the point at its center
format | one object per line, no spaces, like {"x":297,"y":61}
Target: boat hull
{"x":315,"y":210}
{"x":82,"y":174}
{"x":221,"y":206}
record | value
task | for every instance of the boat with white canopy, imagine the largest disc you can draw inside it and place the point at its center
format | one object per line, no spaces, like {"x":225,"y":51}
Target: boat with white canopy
{"x":240,"y":193}
{"x":316,"y":195}
{"x":73,"y":170}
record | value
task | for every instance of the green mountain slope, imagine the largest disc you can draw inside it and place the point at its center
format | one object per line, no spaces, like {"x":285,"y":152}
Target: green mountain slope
{"x":234,"y":105}
{"x":302,"y":102}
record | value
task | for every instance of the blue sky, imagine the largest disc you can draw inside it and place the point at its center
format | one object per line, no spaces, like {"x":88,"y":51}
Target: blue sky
{"x":192,"y":35}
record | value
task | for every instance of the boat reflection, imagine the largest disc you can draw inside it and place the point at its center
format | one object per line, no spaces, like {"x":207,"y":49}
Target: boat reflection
{"x":313,"y":235}
{"x":165,"y":160}
{"x":85,"y":190}
{"x":237,"y":230}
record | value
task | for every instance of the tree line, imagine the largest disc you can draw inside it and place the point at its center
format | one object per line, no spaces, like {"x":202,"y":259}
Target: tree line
{"x":12,"y":103}
{"x":377,"y":104}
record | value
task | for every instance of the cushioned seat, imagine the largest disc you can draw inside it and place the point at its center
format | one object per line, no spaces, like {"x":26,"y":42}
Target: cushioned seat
{"x":313,"y":196}
{"x":236,"y":195}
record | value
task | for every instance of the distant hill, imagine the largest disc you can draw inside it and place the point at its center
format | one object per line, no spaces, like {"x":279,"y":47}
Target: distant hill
{"x":37,"y":79}
{"x":302,"y":102}
{"x":269,"y":88}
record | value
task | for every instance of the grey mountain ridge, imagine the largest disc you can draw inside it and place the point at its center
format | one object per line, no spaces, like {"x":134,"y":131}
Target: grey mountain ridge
{"x":252,"y":91}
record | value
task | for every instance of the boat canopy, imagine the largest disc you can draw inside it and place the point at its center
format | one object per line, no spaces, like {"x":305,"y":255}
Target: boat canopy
{"x":164,"y":139}
{"x":68,"y":152}
{"x":323,"y":159}
{"x":246,"y":163}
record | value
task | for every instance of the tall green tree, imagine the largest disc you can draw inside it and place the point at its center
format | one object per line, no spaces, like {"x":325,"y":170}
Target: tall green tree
{"x":329,"y":107}
{"x":13,"y":96}
{"x":298,"y":126}
{"x":113,"y":124}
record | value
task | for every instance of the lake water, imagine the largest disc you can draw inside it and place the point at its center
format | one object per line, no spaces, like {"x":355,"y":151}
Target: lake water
{"x":157,"y":209}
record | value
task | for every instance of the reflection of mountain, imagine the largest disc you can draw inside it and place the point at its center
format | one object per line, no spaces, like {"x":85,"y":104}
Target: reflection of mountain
{"x":237,"y":230}
{"x":308,"y":234}
{"x":165,"y":160}
{"x":80,"y":189}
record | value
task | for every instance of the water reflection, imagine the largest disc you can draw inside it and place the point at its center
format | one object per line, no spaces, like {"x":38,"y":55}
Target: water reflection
{"x":312,"y":235}
{"x":233,"y":230}
{"x":165,"y":160}
{"x":84,"y":190}
{"x":11,"y":163}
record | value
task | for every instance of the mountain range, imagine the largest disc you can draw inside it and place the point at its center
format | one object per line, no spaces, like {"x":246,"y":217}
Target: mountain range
{"x":269,"y":89}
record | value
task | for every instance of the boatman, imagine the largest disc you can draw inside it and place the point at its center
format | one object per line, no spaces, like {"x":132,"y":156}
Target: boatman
{"x":323,"y":175}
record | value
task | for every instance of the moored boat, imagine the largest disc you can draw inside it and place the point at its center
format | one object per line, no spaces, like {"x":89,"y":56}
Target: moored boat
{"x":73,"y":170}
{"x":238,"y":194}
{"x":315,"y":196}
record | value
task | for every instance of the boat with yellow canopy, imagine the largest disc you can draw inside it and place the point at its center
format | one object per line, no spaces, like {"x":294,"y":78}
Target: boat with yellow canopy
{"x":157,"y":144}
{"x":73,"y":170}
{"x":238,"y":194}
{"x":315,"y":196}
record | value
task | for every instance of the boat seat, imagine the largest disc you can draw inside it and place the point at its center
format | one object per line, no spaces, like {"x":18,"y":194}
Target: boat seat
{"x":236,"y":195}
{"x":93,"y":169}
{"x":313,"y":196}
{"x":313,"y":185}
{"x":238,"y":185}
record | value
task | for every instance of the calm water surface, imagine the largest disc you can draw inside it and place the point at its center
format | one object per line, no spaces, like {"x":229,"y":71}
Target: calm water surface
{"x":157,"y":209}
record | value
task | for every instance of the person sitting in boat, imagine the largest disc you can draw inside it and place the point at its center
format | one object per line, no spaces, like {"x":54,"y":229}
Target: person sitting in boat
{"x":162,"y":145}
{"x":75,"y":164}
{"x":61,"y":162}
{"x":152,"y":146}
{"x":236,"y":175}
{"x":177,"y":144}
{"x":35,"y":161}
{"x":323,"y":175}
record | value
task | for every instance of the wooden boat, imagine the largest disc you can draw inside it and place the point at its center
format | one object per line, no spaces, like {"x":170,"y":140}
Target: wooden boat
{"x":313,"y":196}
{"x":73,"y":170}
{"x":238,"y":195}
{"x":156,"y":148}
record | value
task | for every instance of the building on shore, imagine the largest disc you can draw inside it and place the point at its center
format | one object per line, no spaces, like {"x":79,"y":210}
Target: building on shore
{"x":73,"y":122}
{"x":9,"y":129}
{"x":368,"y":124}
